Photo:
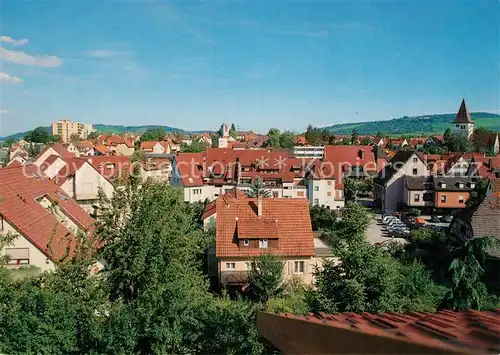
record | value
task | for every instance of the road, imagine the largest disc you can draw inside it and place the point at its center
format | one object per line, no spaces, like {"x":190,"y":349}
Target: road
{"x":376,"y":232}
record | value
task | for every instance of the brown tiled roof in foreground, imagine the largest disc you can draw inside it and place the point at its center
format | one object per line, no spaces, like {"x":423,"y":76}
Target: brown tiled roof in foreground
{"x":287,"y":220}
{"x":19,"y":206}
{"x":444,"y":332}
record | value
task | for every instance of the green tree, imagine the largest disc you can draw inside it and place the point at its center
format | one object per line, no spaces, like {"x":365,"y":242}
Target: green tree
{"x":265,"y":278}
{"x":258,"y":189}
{"x":93,"y":135}
{"x":232,"y":130}
{"x":322,"y":218}
{"x":354,"y":136}
{"x":478,"y":194}
{"x":274,"y":135}
{"x":351,"y":188}
{"x":196,"y":146}
{"x":38,"y":135}
{"x":287,"y":140}
{"x":153,"y":134}
{"x":468,"y":291}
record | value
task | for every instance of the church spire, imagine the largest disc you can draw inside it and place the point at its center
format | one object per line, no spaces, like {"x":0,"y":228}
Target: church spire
{"x":463,"y":115}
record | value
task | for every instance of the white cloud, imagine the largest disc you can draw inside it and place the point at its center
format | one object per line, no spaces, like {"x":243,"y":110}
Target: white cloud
{"x":23,"y":58}
{"x":6,"y":78}
{"x":108,"y":53}
{"x":14,"y":42}
{"x":4,"y":111}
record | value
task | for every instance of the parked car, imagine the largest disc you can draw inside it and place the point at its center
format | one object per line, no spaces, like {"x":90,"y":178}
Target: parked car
{"x":446,"y":219}
{"x":435,"y":219}
{"x":388,"y":218}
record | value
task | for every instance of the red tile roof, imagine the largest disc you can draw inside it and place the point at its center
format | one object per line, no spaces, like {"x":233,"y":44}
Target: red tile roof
{"x":59,"y":149}
{"x":291,"y":226}
{"x":102,"y":149}
{"x":18,"y":205}
{"x":116,"y":139}
{"x":111,"y":167}
{"x":466,"y":332}
{"x":69,"y":170}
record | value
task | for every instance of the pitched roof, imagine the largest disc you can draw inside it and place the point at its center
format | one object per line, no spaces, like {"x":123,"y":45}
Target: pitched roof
{"x":452,"y":183}
{"x":485,"y":220}
{"x":102,"y":149}
{"x":495,"y":185}
{"x":291,"y":226}
{"x":463,"y":115}
{"x":59,"y":149}
{"x":419,"y":183}
{"x":443,"y":332}
{"x":111,"y":167}
{"x":394,"y":165}
{"x":19,"y":206}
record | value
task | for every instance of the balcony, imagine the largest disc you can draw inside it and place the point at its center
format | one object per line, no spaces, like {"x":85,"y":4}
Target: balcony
{"x":233,"y":277}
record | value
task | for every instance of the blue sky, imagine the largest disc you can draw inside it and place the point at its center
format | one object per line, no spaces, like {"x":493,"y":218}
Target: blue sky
{"x":259,"y":64}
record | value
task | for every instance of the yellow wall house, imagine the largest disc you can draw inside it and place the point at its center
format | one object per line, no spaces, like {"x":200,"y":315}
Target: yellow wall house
{"x":249,"y":227}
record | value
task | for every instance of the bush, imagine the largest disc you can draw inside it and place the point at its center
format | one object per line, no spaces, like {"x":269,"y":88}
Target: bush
{"x":413,"y":212}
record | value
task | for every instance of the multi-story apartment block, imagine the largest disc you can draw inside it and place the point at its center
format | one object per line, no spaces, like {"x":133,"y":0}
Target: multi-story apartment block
{"x":65,"y":129}
{"x":208,"y":175}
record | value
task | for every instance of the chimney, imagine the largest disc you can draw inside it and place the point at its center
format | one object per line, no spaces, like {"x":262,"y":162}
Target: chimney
{"x":259,"y":205}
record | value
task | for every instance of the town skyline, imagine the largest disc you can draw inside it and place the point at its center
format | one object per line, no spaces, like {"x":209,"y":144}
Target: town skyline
{"x":196,"y":65}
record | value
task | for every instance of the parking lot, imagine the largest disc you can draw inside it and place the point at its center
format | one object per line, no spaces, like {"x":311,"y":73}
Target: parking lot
{"x":376,"y":232}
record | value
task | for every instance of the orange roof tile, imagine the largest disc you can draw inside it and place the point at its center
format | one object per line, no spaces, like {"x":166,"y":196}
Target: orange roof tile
{"x":465,"y":332}
{"x":292,"y":226}
{"x":19,"y":207}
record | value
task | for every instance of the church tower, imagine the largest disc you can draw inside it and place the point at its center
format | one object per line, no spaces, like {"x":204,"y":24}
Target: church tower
{"x":463,"y":124}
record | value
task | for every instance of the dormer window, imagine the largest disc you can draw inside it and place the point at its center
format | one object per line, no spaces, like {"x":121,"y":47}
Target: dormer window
{"x":443,"y":185}
{"x":246,"y":242}
{"x":472,"y":185}
{"x":460,"y":185}
{"x":263,"y":243}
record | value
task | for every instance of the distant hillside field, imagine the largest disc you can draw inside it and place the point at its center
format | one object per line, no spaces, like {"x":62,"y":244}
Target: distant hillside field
{"x":417,"y":125}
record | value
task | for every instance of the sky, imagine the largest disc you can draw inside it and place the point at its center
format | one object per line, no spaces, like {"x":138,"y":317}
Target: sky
{"x":259,"y":64}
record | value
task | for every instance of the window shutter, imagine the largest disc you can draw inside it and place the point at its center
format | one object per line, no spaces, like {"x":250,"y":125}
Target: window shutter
{"x":305,"y":266}
{"x":290,"y":267}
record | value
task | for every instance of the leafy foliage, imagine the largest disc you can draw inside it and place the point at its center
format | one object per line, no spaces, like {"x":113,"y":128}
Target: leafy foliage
{"x":322,"y":218}
{"x":196,"y":146}
{"x":468,"y":291}
{"x":258,"y":189}
{"x":153,"y":134}
{"x":266,"y":277}
{"x":41,"y":135}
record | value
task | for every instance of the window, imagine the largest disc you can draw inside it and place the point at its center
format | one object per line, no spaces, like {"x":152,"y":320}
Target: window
{"x":329,"y":182}
{"x":460,"y":199}
{"x":329,"y":193}
{"x":246,"y":242}
{"x":416,"y":198}
{"x":316,"y":188}
{"x":18,"y":256}
{"x":415,"y":171}
{"x":443,"y":198}
{"x":298,"y":267}
{"x":457,"y":125}
{"x":415,"y":159}
{"x":316,"y":201}
{"x":462,"y":126}
{"x":230,"y":266}
{"x":472,"y":185}
{"x":248,"y":265}
{"x":461,"y":185}
{"x":443,"y":185}
{"x":263,"y":243}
